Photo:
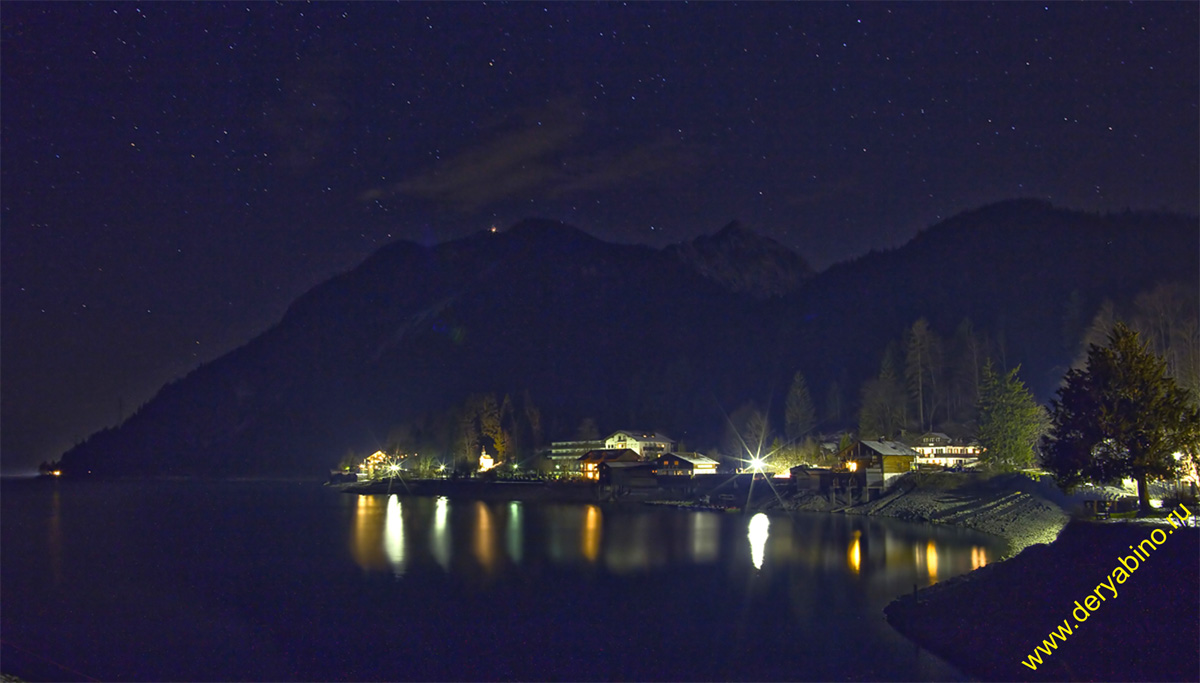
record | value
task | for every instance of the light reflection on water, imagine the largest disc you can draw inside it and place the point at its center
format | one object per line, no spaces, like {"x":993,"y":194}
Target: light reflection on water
{"x":855,"y":553}
{"x":399,"y":533}
{"x":513,"y":535}
{"x":704,"y":538}
{"x":485,"y":537}
{"x":393,"y":535}
{"x":931,"y":561}
{"x":758,"y":533}
{"x":439,"y":541}
{"x":591,"y":533}
{"x":118,"y":571}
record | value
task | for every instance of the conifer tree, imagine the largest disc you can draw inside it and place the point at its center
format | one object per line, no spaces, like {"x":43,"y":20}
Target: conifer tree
{"x":799,"y":414}
{"x":1122,"y":416}
{"x":1010,"y":421}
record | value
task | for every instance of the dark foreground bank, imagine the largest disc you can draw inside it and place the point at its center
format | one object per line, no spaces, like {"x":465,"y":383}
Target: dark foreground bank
{"x":989,"y":622}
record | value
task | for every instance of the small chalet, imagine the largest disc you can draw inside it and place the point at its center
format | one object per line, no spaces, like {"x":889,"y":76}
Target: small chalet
{"x":877,"y":463}
{"x":936,"y":449}
{"x":805,"y":478}
{"x":684,"y":464}
{"x":627,"y":476}
{"x":589,"y":463}
{"x":647,"y":445}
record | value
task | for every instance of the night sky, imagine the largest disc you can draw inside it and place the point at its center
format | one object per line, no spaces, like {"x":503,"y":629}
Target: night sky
{"x":173,"y":175}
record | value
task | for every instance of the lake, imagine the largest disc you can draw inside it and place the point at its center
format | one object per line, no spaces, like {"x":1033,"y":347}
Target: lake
{"x":186,"y":580}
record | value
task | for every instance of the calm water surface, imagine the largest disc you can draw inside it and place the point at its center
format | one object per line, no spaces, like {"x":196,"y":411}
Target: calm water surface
{"x":282,"y":581}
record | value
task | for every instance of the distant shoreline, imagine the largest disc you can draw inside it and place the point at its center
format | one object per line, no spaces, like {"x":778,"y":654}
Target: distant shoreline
{"x":560,"y":492}
{"x":1013,"y":508}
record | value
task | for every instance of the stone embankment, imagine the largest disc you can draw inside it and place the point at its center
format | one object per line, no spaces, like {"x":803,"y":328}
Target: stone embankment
{"x":1021,"y":511}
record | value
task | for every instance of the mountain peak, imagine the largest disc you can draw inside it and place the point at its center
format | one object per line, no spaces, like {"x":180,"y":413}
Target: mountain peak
{"x":538,"y":227}
{"x":744,"y":261}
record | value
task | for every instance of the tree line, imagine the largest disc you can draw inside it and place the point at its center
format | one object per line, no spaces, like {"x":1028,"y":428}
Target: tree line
{"x":959,"y":384}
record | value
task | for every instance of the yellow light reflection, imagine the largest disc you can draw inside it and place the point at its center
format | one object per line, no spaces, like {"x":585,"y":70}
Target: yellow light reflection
{"x":978,"y":557}
{"x":855,"y":553}
{"x":485,"y":536}
{"x":758,"y":532}
{"x":366,"y":546}
{"x":591,"y":533}
{"x":393,"y":536}
{"x":931,"y":561}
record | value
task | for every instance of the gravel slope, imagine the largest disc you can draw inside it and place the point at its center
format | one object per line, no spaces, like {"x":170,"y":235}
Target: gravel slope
{"x":1021,"y":511}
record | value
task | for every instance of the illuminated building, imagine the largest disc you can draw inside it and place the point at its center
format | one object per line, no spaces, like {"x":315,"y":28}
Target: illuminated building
{"x":936,"y":449}
{"x":486,"y":462}
{"x":647,"y":445}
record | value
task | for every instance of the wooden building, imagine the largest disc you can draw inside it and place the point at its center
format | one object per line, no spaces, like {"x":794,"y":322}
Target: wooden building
{"x":589,"y":463}
{"x":876,"y":464}
{"x":684,"y":465}
{"x":625,"y":476}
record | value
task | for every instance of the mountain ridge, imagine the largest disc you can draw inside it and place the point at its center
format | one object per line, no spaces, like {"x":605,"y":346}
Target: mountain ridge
{"x":624,"y":334}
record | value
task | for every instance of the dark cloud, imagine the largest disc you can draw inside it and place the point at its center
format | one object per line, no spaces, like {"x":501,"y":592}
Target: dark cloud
{"x":551,"y":152}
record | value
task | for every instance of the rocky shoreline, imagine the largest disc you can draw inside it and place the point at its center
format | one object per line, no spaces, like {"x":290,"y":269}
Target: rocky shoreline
{"x":1014,"y":507}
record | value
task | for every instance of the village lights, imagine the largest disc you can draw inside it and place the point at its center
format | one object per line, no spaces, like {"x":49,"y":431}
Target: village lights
{"x":756,"y":463}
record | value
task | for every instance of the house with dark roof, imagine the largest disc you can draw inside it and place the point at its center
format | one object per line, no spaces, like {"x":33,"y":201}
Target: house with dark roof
{"x":625,"y":477}
{"x":589,"y":463}
{"x":684,"y":465}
